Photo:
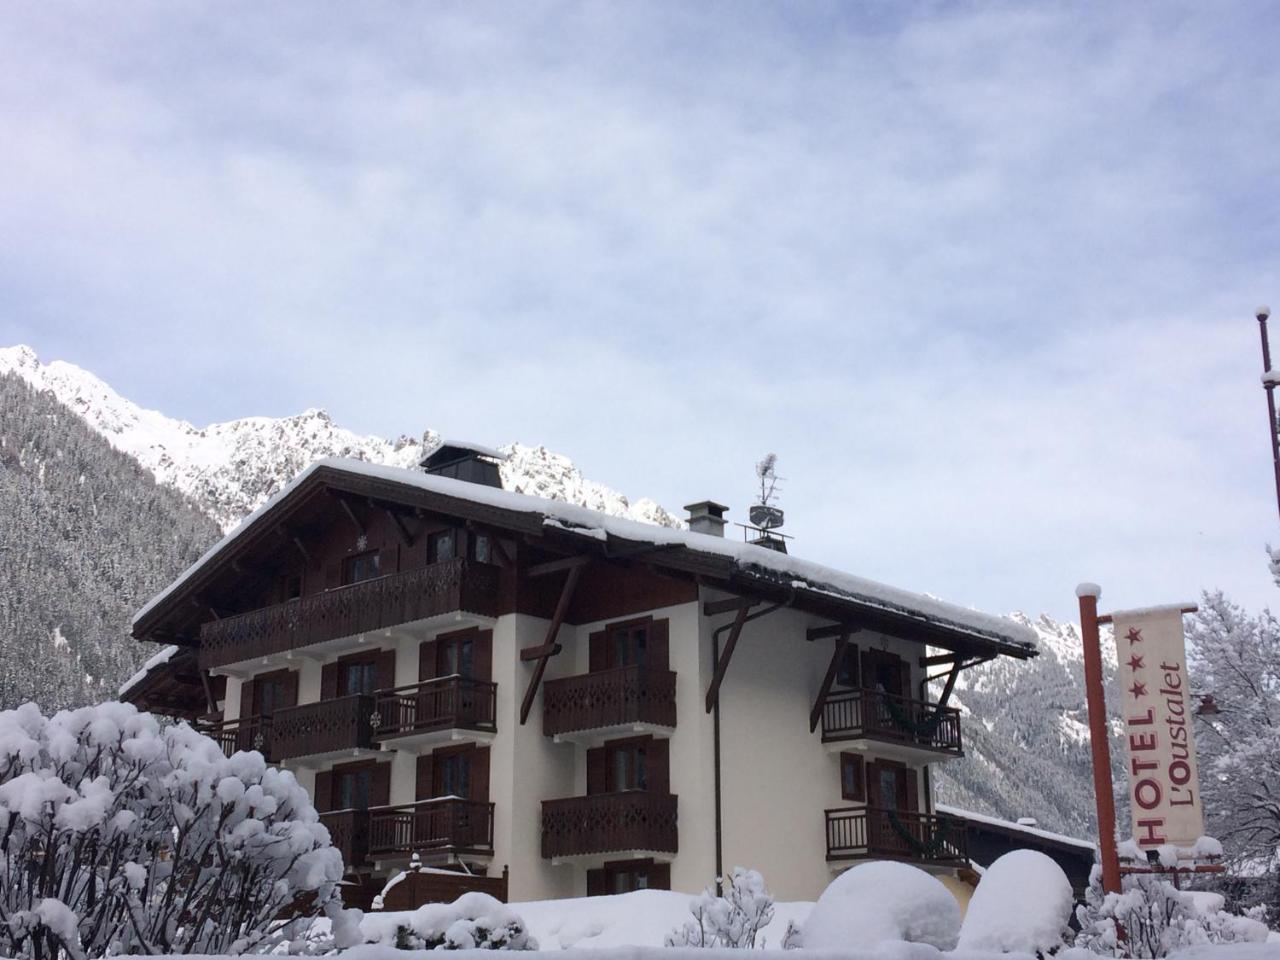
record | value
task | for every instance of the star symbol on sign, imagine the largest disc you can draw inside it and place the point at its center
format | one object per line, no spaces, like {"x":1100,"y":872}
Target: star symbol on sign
{"x":1135,"y":662}
{"x":1134,"y":635}
{"x":1138,"y":689}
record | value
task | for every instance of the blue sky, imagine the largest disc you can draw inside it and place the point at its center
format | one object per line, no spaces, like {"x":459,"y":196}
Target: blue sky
{"x":981,"y":274}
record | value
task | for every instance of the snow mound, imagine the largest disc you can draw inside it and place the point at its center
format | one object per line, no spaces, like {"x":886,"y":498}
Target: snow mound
{"x":882,"y":901}
{"x":475,"y":921}
{"x":1023,"y":903}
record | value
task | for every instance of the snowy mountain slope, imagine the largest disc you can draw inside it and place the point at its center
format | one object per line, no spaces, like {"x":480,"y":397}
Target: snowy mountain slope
{"x":230,"y":468}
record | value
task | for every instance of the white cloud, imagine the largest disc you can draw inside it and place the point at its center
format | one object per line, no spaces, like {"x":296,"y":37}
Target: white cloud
{"x":981,"y":275}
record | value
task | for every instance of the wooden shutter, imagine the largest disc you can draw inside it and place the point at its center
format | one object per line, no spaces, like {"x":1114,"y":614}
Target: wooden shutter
{"x":385,"y":670}
{"x":480,"y":775}
{"x":913,"y":789}
{"x":380,"y":785}
{"x":598,"y":651}
{"x":597,"y":883}
{"x":853,"y":777}
{"x":660,"y":876}
{"x":426,"y":787}
{"x":291,"y":688}
{"x":868,"y":673}
{"x":597,"y":770}
{"x":322,"y":795}
{"x":427,"y":660}
{"x":658,"y":761}
{"x":904,"y":682}
{"x":333,"y":575}
{"x":246,"y":698}
{"x":659,"y":656}
{"x":328,"y":681}
{"x":484,"y":655}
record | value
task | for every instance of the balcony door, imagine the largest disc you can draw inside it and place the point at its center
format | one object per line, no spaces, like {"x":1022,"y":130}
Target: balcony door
{"x":631,"y":643}
{"x":461,"y":772}
{"x":892,"y":800}
{"x":632,"y":764}
{"x":269,"y":692}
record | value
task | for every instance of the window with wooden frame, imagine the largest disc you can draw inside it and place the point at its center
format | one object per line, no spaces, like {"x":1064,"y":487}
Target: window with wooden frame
{"x":627,"y":876}
{"x":289,"y":587}
{"x":440,"y":546}
{"x":636,"y":763}
{"x":455,"y":655}
{"x":361,"y":567}
{"x":454,"y":772}
{"x":885,"y":672}
{"x":853,"y":777}
{"x":357,"y":676}
{"x":847,"y":667}
{"x":352,"y":789}
{"x":631,"y":643}
{"x":480,"y":548}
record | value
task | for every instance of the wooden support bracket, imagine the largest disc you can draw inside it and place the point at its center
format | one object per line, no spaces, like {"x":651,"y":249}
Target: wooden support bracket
{"x":556,"y":566}
{"x":351,"y":514}
{"x":537,"y":653}
{"x":722,"y":665}
{"x":822,"y":633}
{"x":713,"y":607}
{"x":550,"y":645}
{"x":833,"y":668}
{"x":405,"y":536}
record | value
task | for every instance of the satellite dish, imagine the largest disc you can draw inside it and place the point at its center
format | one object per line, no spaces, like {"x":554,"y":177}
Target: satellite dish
{"x":766,"y":518}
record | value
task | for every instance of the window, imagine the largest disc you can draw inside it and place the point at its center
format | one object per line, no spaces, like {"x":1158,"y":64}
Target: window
{"x":453,"y":775}
{"x":290,"y":587}
{"x":847,"y":669}
{"x":628,"y":768}
{"x":363,"y":566}
{"x":628,"y":644}
{"x":353,"y":789}
{"x":455,"y":655}
{"x":852,"y":777}
{"x":440,"y":546}
{"x":888,"y":787}
{"x":627,"y":876}
{"x":628,"y":881}
{"x":481,"y":548}
{"x":269,"y":696}
{"x":360,"y":677}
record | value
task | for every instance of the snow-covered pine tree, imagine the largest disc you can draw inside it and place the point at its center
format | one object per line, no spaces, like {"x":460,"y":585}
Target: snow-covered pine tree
{"x":1234,"y":661}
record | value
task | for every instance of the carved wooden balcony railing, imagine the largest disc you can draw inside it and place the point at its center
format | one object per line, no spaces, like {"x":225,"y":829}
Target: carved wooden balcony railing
{"x":329,"y":726}
{"x":444,"y":587}
{"x":349,"y":833}
{"x":441,"y":704}
{"x":447,"y":823}
{"x":608,"y":823}
{"x":875,"y":715}
{"x":247,"y":733}
{"x":607,"y":698}
{"x":870,"y":833}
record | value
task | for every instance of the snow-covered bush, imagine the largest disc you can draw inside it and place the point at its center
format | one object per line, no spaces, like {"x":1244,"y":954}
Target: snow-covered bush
{"x":734,"y":920}
{"x":882,"y":901}
{"x":1022,"y":904}
{"x":119,"y":837}
{"x":1156,"y":918}
{"x":475,"y":921}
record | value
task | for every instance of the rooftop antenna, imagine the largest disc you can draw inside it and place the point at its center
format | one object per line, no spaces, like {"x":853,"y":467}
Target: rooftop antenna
{"x":766,"y":517}
{"x":1269,"y":380}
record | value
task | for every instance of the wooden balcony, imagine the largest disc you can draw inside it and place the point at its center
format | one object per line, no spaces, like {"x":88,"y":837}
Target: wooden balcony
{"x":434,"y":708}
{"x":447,"y":824}
{"x":327,"y":729}
{"x":447,"y":587}
{"x":867,"y":833}
{"x":248,"y":733}
{"x":621,"y":697}
{"x":349,"y":833}
{"x":605,"y":823}
{"x":914,"y":725}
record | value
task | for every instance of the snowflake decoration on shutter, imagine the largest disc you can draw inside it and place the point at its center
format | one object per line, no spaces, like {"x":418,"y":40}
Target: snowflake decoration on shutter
{"x":361,"y":542}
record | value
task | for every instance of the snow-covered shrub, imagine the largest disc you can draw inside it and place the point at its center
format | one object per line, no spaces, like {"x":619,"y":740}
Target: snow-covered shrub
{"x":734,"y":920}
{"x":1022,"y":904}
{"x":475,"y":921}
{"x":1156,"y":918}
{"x":882,"y":901}
{"x":119,"y":837}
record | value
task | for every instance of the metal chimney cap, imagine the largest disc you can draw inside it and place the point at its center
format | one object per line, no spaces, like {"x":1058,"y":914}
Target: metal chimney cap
{"x":707,"y":507}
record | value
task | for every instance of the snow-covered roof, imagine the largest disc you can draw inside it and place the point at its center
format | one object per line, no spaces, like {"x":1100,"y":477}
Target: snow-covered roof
{"x":748,"y":559}
{"x":1014,"y":827}
{"x":481,"y":449}
{"x":163,"y":656}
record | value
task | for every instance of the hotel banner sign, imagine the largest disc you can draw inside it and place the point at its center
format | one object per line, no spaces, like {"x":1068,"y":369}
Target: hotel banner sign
{"x":1164,"y":784}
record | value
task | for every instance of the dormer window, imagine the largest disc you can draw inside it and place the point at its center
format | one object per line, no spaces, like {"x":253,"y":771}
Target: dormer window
{"x":363,"y":566}
{"x":440,"y":546}
{"x":481,"y":548}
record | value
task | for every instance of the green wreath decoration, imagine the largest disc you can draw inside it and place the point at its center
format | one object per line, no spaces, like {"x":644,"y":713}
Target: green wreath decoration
{"x":923,"y":848}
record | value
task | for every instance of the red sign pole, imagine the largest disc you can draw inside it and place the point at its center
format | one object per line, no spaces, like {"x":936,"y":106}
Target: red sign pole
{"x":1099,"y":737}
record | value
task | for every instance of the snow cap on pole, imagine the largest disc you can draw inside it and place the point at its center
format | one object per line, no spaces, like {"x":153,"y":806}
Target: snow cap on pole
{"x":1262,"y":312}
{"x":1089,"y":590}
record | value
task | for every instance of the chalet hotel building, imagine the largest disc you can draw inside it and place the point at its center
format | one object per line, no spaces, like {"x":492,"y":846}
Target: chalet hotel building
{"x":539,"y":700}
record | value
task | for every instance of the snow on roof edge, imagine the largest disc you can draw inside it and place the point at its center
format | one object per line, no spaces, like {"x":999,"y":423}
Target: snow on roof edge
{"x":593,"y":523}
{"x":162,"y":656}
{"x":1014,"y":826}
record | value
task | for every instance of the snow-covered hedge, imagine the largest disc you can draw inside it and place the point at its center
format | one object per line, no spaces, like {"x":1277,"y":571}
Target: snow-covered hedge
{"x":475,"y":921}
{"x":733,"y":920}
{"x":882,"y":901}
{"x":1023,"y":903}
{"x":119,"y":837}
